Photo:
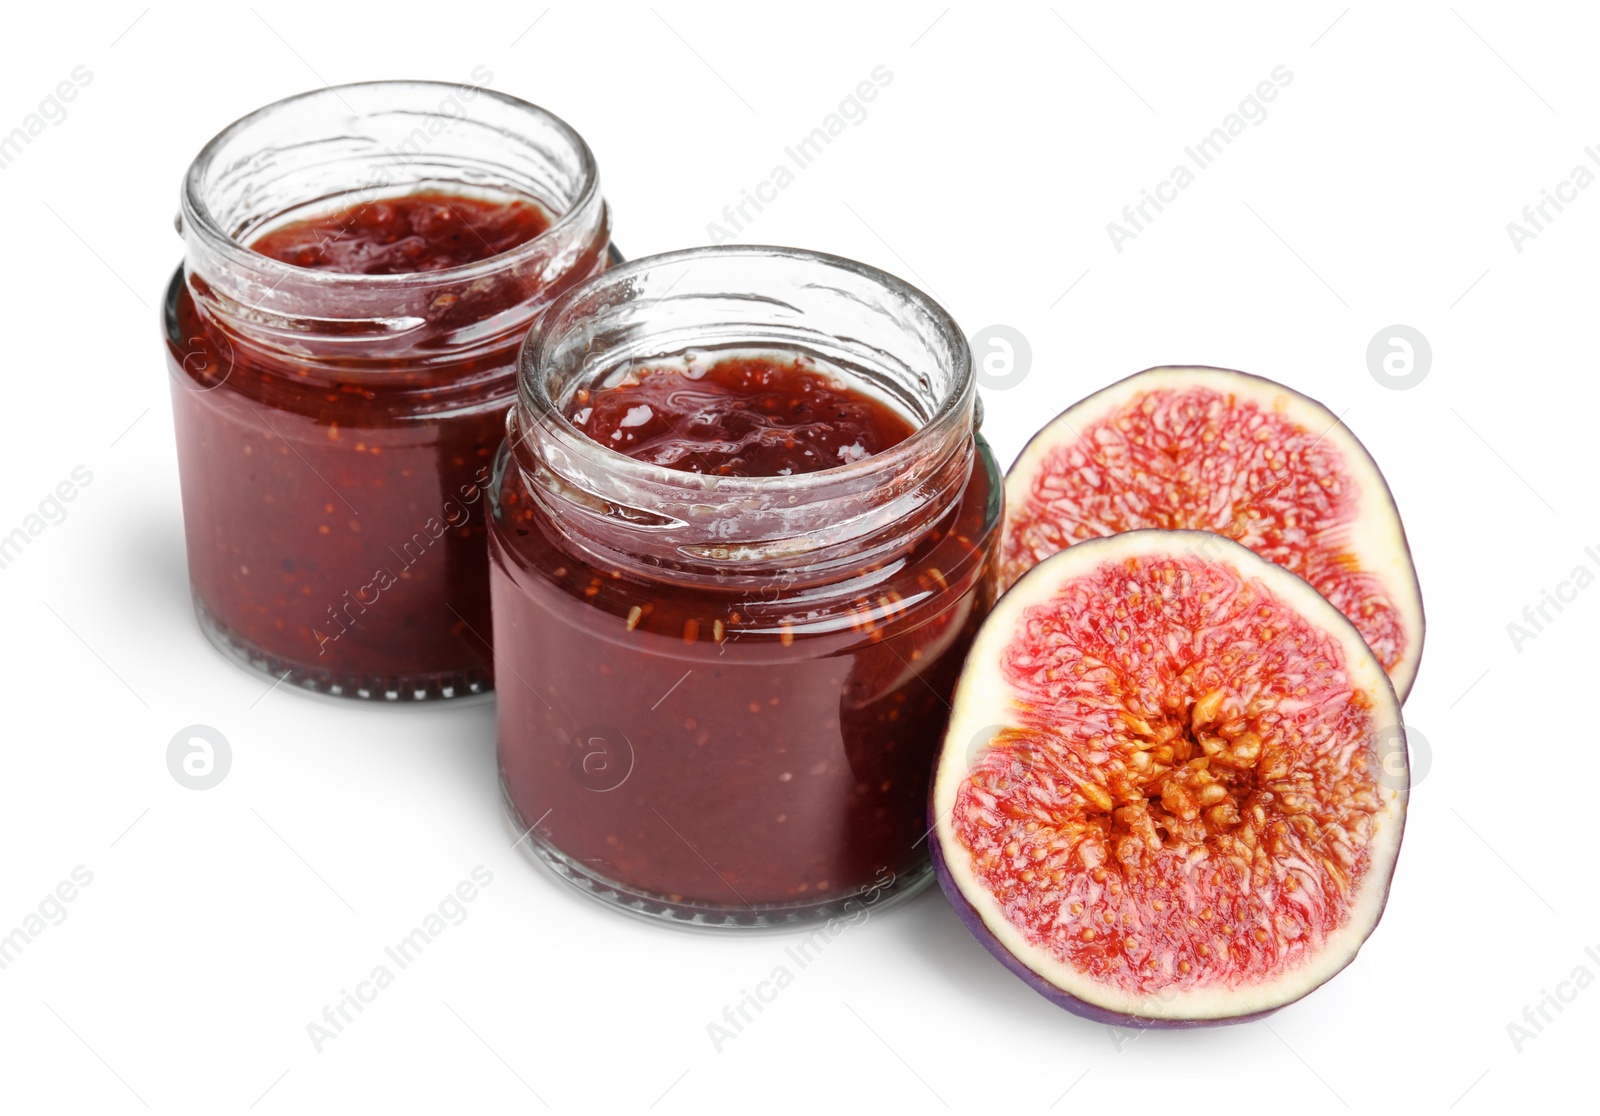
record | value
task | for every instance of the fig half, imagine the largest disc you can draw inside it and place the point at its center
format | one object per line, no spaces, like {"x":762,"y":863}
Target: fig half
{"x":1174,"y":782}
{"x":1213,"y":450}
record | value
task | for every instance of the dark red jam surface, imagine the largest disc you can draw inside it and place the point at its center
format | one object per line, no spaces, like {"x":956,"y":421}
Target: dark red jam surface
{"x":739,"y":750}
{"x":416,"y":232}
{"x":737,"y":416}
{"x":333,"y":502}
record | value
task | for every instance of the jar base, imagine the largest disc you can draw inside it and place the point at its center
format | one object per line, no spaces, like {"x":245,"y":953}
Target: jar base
{"x":692,"y":915}
{"x":453,"y":686}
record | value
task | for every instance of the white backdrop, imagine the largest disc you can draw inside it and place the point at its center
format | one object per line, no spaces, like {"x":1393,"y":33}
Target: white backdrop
{"x":208,"y":929}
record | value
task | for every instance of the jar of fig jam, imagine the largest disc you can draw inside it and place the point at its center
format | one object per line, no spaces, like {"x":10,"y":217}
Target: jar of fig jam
{"x":361,"y":265}
{"x":740,"y":540}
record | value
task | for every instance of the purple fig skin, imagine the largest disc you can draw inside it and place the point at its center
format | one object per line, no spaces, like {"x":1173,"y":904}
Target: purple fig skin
{"x":975,"y":925}
{"x":1388,"y":493}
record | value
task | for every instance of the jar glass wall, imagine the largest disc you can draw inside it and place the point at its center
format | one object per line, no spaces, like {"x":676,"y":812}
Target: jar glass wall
{"x":336,"y":429}
{"x":720,"y":697}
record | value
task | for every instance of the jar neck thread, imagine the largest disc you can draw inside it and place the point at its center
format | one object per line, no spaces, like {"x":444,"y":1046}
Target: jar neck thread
{"x":341,"y":148}
{"x":873,"y":332}
{"x":694,"y":533}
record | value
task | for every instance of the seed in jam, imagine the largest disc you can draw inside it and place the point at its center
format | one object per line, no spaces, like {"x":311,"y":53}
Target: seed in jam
{"x":754,"y":415}
{"x":410,"y":233}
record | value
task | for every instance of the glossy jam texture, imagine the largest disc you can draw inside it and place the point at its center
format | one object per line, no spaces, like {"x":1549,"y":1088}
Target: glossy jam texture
{"x":333,"y":503}
{"x":752,"y":415}
{"x":411,"y":233}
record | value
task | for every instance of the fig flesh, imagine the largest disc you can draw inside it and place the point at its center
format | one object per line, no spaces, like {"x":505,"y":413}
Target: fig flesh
{"x":1174,"y":782}
{"x":1214,"y":450}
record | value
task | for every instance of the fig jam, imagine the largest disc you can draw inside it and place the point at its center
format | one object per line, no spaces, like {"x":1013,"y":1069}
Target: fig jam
{"x":340,"y":381}
{"x":733,"y":726}
{"x":416,"y":232}
{"x":740,"y":417}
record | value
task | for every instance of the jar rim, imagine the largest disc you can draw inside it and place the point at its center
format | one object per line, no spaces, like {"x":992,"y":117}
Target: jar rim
{"x":196,"y":212}
{"x":951,"y":410}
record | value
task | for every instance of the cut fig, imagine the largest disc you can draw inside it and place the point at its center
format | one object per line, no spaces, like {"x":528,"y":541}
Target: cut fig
{"x":1190,"y":810}
{"x":1213,"y":450}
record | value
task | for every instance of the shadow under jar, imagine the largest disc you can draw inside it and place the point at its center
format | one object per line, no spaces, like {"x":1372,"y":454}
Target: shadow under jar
{"x":720,"y":696}
{"x":338,"y":397}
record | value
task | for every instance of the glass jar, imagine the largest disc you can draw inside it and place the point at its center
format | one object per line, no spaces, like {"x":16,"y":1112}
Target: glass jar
{"x":721,"y":697}
{"x":336,"y":431}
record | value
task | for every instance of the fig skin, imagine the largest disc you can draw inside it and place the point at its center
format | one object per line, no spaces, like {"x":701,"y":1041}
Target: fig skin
{"x":1257,"y":386}
{"x":1077,"y":1005}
